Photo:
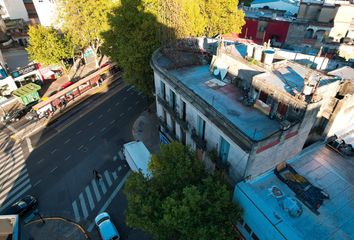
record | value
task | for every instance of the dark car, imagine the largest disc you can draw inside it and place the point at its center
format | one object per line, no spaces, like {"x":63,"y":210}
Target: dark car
{"x":22,"y":206}
{"x":19,"y":113}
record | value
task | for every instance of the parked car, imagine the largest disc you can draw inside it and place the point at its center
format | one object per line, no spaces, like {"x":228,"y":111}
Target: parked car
{"x":17,"y":114}
{"x":22,"y":206}
{"x":106,"y":228}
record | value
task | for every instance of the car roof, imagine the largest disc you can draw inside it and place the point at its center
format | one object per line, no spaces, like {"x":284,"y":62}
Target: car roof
{"x":108,"y":230}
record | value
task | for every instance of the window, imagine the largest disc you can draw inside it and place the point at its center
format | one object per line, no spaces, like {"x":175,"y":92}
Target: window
{"x":163,"y":90}
{"x":248,"y":229}
{"x":201,"y":128}
{"x":254,"y":236}
{"x":184,"y":111}
{"x":224,"y":149}
{"x":173,"y":100}
{"x":263,"y":97}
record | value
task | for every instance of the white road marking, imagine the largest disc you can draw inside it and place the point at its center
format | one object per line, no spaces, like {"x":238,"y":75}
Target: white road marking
{"x":109,"y":200}
{"x":137,"y":102}
{"x":83,"y":206}
{"x":113,"y":121}
{"x":52,"y":152}
{"x":11,"y":152}
{"x":79,"y":148}
{"x":131,"y":87}
{"x":10,"y":201}
{"x":125,"y":98}
{"x":7,"y":193}
{"x":67,"y":140}
{"x":10,"y":169}
{"x":100,"y":116}
{"x":95,"y":190}
{"x":103,"y":186}
{"x":29,"y":144}
{"x":67,"y":157}
{"x":55,"y":168}
{"x":109,"y":109}
{"x":90,"y":124}
{"x":140,"y":93}
{"x":78,"y":132}
{"x":91,"y":138}
{"x":114,"y":174}
{"x":20,"y":178}
{"x":38,"y":182}
{"x":117,"y":103}
{"x":76,"y":211}
{"x":40,"y":161}
{"x":121,"y":115}
{"x":129,"y":108}
{"x":119,"y":168}
{"x":89,"y":197}
{"x":108,"y":178}
{"x":103,"y":129}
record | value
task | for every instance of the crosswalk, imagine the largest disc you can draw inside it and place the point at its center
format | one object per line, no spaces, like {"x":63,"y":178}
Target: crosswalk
{"x":14,"y":179}
{"x":90,"y":197}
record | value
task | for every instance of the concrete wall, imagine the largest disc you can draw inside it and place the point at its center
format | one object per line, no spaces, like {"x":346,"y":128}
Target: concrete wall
{"x":46,"y":11}
{"x":296,"y":33}
{"x":14,"y":9}
{"x":327,"y":14}
{"x":309,"y":12}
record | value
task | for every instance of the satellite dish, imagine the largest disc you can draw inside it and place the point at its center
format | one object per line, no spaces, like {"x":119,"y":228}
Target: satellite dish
{"x":216,"y":71}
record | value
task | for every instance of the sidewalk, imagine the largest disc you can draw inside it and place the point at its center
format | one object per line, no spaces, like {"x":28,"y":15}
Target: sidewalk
{"x":55,"y":228}
{"x":145,"y":129}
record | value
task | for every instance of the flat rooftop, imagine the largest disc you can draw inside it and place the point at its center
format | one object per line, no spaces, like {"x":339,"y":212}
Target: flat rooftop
{"x":325,"y":169}
{"x":251,"y":121}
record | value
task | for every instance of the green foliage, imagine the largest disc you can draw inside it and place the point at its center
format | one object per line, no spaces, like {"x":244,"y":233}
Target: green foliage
{"x":223,"y":17}
{"x":47,"y":46}
{"x":84,"y":20}
{"x":139,"y":27}
{"x":180,"y":201}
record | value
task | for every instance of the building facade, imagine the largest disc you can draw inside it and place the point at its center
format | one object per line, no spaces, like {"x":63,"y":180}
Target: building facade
{"x":14,"y":9}
{"x":254,"y":116}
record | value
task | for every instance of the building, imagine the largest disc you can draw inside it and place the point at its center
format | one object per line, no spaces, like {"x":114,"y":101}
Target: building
{"x":289,"y":6}
{"x":291,"y":202}
{"x":46,"y":11}
{"x":255,"y":112}
{"x":14,"y":9}
{"x":9,"y":227}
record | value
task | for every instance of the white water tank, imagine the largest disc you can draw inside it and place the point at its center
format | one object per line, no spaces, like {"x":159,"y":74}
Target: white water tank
{"x":257,"y":55}
{"x":268,"y":56}
{"x":250,"y":49}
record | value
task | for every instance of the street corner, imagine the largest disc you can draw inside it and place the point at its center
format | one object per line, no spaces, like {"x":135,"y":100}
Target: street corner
{"x":54,"y":228}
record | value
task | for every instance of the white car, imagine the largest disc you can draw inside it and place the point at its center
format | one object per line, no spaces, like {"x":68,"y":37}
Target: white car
{"x":106,"y":228}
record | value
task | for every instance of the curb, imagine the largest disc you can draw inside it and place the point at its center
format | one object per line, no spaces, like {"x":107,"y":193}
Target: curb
{"x":63,"y":219}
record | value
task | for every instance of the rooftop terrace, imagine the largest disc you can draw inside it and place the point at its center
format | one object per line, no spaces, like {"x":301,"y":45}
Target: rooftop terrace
{"x":325,"y":169}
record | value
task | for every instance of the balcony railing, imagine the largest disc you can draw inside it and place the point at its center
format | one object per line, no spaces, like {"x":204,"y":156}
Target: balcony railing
{"x":173,"y":112}
{"x":172,"y":136}
{"x":201,"y":143}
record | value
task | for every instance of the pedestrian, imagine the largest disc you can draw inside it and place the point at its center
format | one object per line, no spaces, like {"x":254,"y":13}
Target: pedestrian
{"x":97,"y":175}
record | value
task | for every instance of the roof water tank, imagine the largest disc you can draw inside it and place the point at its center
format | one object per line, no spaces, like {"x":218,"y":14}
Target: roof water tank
{"x":257,"y":55}
{"x":250,"y":49}
{"x":268,"y":56}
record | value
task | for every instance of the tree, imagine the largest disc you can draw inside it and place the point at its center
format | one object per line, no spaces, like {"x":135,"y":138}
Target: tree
{"x":223,"y":17}
{"x":84,"y":21}
{"x":49,"y":47}
{"x":131,"y":40}
{"x":180,"y":201}
{"x":139,"y":27}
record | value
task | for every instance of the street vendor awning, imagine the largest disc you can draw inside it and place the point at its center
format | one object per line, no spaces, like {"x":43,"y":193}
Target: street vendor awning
{"x":26,"y":90}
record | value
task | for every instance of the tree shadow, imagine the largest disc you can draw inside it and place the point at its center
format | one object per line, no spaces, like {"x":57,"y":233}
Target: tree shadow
{"x":134,"y":35}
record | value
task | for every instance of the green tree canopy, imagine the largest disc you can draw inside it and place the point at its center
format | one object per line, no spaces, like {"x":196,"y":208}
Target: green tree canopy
{"x":47,"y":46}
{"x":84,"y":21}
{"x":180,"y":201}
{"x":139,"y":27}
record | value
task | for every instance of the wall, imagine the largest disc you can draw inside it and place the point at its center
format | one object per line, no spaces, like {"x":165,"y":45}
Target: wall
{"x":46,"y":11}
{"x":15,"y":9}
{"x":277,"y":28}
{"x":327,"y":14}
{"x":296,"y":33}
{"x":309,"y":12}
{"x":237,"y":158}
{"x":249,"y":30}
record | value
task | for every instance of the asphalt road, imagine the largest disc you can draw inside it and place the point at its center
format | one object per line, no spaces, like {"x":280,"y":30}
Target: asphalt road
{"x":61,"y":168}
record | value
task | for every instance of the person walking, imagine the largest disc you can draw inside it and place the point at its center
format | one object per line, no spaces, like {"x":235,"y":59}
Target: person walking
{"x":97,"y":175}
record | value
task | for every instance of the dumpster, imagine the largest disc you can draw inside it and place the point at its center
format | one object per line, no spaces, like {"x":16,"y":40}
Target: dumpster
{"x":27,"y":93}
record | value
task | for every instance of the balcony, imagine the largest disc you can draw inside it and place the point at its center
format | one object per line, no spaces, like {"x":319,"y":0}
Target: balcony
{"x":169,"y":134}
{"x":200,"y":142}
{"x":173,"y":112}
